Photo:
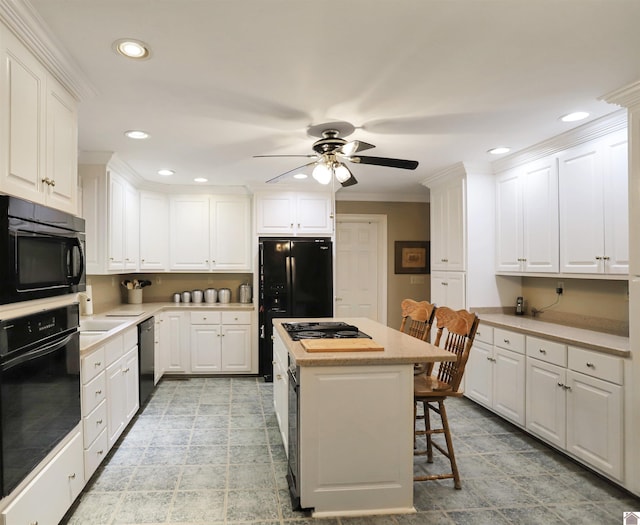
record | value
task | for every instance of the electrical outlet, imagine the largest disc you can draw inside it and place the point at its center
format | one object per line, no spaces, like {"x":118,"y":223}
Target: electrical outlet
{"x":560,"y":288}
{"x":158,"y":280}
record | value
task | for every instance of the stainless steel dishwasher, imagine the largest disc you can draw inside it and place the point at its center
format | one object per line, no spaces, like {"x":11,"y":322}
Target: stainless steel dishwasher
{"x":146,"y":351}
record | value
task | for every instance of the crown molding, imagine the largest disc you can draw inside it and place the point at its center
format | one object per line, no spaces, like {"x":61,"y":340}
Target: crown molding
{"x":25,"y":22}
{"x":592,"y":130}
{"x":454,"y":171}
{"x":626,"y":97}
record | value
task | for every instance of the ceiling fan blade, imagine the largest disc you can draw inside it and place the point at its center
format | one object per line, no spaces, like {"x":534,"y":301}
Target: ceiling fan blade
{"x":385,"y":161}
{"x":349,"y":182}
{"x":354,"y":147}
{"x":282,"y":175}
{"x":266,"y":156}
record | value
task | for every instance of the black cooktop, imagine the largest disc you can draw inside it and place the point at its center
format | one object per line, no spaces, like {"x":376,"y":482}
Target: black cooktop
{"x":323,"y":330}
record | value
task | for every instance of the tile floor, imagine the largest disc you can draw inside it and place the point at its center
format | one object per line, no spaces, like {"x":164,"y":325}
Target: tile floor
{"x":207,"y":451}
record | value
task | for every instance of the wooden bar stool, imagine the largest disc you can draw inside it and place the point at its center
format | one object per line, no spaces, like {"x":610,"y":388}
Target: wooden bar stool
{"x":417,"y":318}
{"x":456,"y":331}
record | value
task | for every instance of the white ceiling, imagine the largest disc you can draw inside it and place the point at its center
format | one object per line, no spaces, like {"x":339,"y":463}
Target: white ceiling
{"x":437,"y":81}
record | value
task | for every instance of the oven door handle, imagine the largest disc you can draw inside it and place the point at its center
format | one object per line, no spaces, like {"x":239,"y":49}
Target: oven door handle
{"x":37,"y":353}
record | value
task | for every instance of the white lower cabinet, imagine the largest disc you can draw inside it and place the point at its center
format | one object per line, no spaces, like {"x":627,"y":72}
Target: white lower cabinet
{"x":47,"y":498}
{"x":495,"y":373}
{"x":174,"y":342}
{"x":281,"y":388}
{"x":220,"y":342}
{"x":575,"y":402}
{"x":94,"y":409}
{"x":122,"y":386}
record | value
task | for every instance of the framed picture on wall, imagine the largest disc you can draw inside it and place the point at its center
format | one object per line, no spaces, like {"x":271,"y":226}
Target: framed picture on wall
{"x":412,"y":257}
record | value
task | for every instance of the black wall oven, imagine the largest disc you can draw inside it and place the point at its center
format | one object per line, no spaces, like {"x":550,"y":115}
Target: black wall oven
{"x":39,"y":388}
{"x":41,"y":251}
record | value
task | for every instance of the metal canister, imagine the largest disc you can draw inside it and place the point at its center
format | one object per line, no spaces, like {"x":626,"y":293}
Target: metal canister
{"x":196,"y":296}
{"x":224,"y":295}
{"x":186,"y":297}
{"x":210,"y":295}
{"x":176,"y":297}
{"x":245,"y":293}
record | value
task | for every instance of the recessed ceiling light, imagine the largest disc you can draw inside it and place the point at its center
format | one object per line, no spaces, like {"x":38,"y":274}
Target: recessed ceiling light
{"x":136,"y":134}
{"x":200,"y":179}
{"x":132,"y":48}
{"x":499,"y":150}
{"x":300,"y":176}
{"x":166,"y":173}
{"x":573,"y":117}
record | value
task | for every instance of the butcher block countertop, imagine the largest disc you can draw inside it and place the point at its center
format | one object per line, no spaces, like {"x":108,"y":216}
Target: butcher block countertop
{"x":398,"y":348}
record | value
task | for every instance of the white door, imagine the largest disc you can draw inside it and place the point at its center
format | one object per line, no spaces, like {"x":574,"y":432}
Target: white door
{"x":360,"y":275}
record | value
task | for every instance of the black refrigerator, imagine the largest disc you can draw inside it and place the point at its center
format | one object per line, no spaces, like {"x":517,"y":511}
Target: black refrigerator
{"x":296,"y":280}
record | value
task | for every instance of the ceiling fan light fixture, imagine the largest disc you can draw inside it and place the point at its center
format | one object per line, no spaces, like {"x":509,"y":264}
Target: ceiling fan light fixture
{"x":322,"y":173}
{"x":342,"y":173}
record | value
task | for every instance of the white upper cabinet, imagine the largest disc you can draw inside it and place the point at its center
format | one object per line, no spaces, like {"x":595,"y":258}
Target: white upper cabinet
{"x":210,"y":233}
{"x":448,"y":226}
{"x":123,"y":225}
{"x":294,"y":213}
{"x":593,"y":207}
{"x":38,"y":132}
{"x":527,"y":218}
{"x":154,"y":225}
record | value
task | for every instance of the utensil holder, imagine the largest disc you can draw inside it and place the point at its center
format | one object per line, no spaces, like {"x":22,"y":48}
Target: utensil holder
{"x":134,"y":296}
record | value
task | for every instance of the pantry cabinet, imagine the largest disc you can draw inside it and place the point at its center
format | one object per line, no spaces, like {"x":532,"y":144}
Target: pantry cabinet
{"x":210,"y":233}
{"x":38,"y":136}
{"x":594,"y":207}
{"x":289,"y":213}
{"x":448,"y":216}
{"x":527,"y":218}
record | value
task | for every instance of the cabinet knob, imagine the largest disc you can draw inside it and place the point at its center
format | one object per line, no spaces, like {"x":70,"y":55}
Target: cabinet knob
{"x":100,"y":452}
{"x":444,"y":283}
{"x":598,"y":258}
{"x":542,"y":350}
{"x":506,"y":341}
{"x":292,"y":225}
{"x":126,"y":370}
{"x":99,"y":422}
{"x":52,"y":182}
{"x":97,"y":364}
{"x":590,"y":364}
{"x":273,"y":362}
{"x":561,"y":385}
{"x":606,"y":257}
{"x":278,"y":377}
{"x":72,"y":476}
{"x":98,"y":392}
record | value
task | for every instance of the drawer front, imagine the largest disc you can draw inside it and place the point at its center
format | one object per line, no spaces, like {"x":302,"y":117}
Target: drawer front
{"x":509,"y":340}
{"x":94,"y":455}
{"x":549,"y":351}
{"x":93,"y":393}
{"x":484,"y":333}
{"x":95,"y":423}
{"x":92,"y":365}
{"x":236,"y":317}
{"x":130,"y":338}
{"x":114,"y":349}
{"x":205,"y":317}
{"x":603,"y":366}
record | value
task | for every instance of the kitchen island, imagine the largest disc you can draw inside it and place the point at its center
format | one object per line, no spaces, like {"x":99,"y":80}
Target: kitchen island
{"x":348,"y":426}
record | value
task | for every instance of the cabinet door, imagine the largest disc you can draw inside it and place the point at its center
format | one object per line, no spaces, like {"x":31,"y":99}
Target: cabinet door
{"x":616,"y":203}
{"x":275,"y":213}
{"x":205,"y":348}
{"x":314,"y":213}
{"x":478,"y":373}
{"x":62,"y":148}
{"x":116,"y":401}
{"x":175,"y":343}
{"x":539,"y":182}
{"x":131,"y":383}
{"x":448,"y":289}
{"x":546,"y":407}
{"x":281,"y":388}
{"x":131,"y":234}
{"x":448,"y":226}
{"x":230,"y":234}
{"x":236,"y":348}
{"x":23,"y":131}
{"x":581,"y":210}
{"x":154,"y":224}
{"x":509,"y":227}
{"x":189,"y":233}
{"x":116,"y":223}
{"x":508,"y":384}
{"x":594,"y":422}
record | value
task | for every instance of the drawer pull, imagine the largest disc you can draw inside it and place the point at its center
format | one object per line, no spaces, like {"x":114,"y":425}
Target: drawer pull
{"x":542,"y":350}
{"x":278,"y":377}
{"x":125,"y":370}
{"x":97,"y":364}
{"x":273,"y":362}
{"x":492,"y":359}
{"x":507,"y":341}
{"x":590,"y":364}
{"x":561,"y":385}
{"x":99,"y":422}
{"x":98,"y":392}
{"x":72,"y":476}
{"x":100,"y":452}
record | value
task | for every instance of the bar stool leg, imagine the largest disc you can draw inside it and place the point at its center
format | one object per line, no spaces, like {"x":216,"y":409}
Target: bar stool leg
{"x":447,"y":436}
{"x":428,"y":431}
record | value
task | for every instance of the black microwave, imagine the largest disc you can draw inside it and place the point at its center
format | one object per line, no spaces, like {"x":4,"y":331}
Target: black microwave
{"x":41,"y":251}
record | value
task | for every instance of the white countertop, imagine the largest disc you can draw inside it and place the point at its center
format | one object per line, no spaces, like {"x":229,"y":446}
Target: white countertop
{"x":133,"y":314}
{"x":599,"y":341}
{"x":399,"y":348}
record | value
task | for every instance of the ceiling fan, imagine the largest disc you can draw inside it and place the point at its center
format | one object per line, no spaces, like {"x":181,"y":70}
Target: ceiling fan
{"x":331,"y":153}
